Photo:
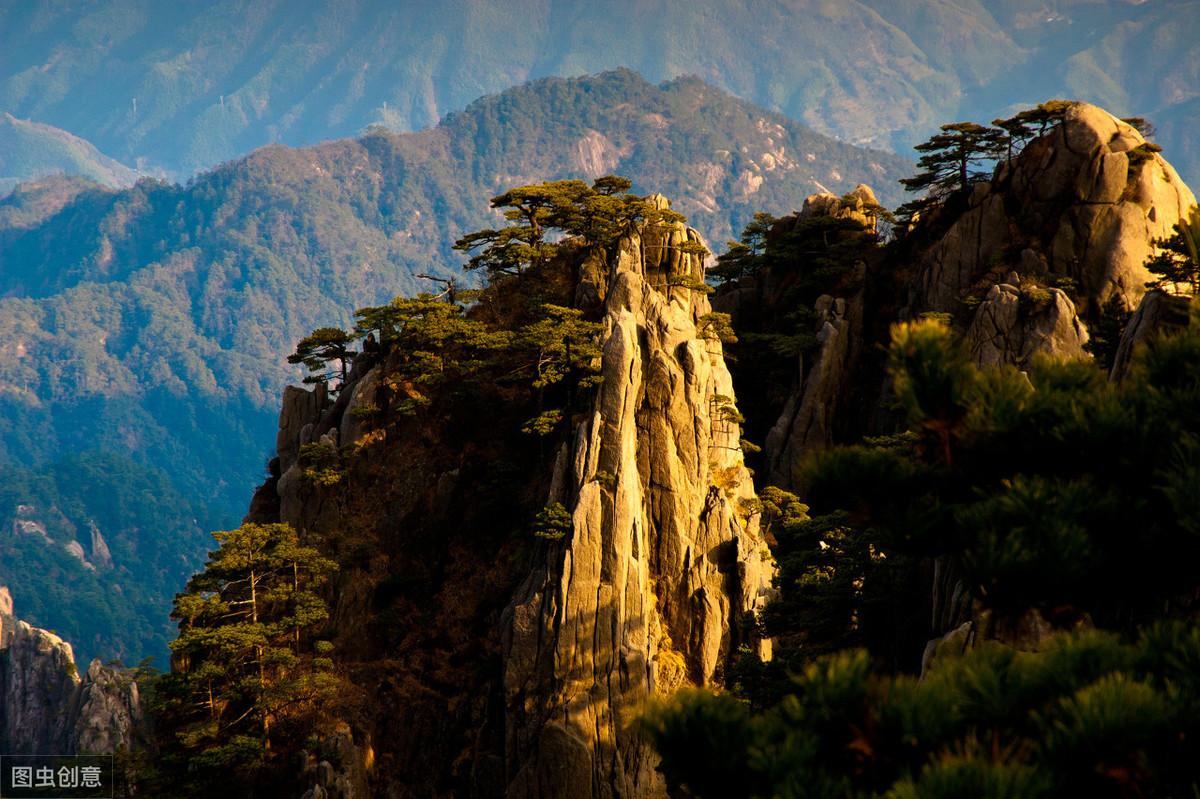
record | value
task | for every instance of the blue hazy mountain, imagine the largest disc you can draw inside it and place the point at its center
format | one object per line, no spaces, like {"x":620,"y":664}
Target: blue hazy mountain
{"x":187,"y":85}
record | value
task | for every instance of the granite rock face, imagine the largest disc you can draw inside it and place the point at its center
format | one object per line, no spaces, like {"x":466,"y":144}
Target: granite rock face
{"x":107,"y":710}
{"x":45,"y":708}
{"x":648,"y":591}
{"x":1157,"y":313}
{"x":39,"y":684}
{"x":649,"y":588}
{"x":1011,"y":326}
{"x":1085,"y":201}
{"x":806,"y":422}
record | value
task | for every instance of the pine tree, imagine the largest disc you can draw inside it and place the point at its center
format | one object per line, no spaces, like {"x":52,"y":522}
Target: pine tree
{"x":247,"y":672}
{"x":562,"y":349}
{"x":436,"y":348}
{"x":319,"y":348}
{"x":595,"y":214}
{"x":951,"y":158}
{"x":745,"y":256}
{"x":1178,"y":258}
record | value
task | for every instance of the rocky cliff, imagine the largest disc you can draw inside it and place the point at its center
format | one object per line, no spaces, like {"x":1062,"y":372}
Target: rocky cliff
{"x":1083,"y":202}
{"x":652,"y":586}
{"x":1022,"y":263}
{"x":47,"y":709}
{"x":497,"y":665}
{"x":807,"y":420}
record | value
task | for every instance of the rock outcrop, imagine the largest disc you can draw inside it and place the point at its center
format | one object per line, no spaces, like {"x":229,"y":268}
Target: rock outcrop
{"x":1084,"y":202}
{"x":1158,"y":312}
{"x":661,"y":565}
{"x":1012,"y":325}
{"x":46,"y":709}
{"x":806,"y":422}
{"x":495,"y":675}
{"x":38,"y":687}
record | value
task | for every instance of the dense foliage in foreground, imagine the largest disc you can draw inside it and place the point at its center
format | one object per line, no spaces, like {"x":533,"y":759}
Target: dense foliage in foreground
{"x":1064,"y":509}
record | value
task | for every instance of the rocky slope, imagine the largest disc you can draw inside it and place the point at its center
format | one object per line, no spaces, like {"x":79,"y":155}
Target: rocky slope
{"x":1023,"y":264}
{"x":46,"y":708}
{"x":1083,"y":202}
{"x":510,"y":670}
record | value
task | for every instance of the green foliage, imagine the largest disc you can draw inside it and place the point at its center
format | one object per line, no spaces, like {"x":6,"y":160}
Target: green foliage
{"x":553,"y":522}
{"x":950,"y":159}
{"x":718,"y":327}
{"x":932,"y":375}
{"x":245,"y":681}
{"x":1106,"y":332}
{"x":543,"y":424}
{"x":145,"y":522}
{"x":1141,"y":154}
{"x":434,"y":346}
{"x":744,"y":257}
{"x":688,"y":282}
{"x":1031,"y":122}
{"x":780,"y":508}
{"x":1177,"y":261}
{"x":1089,"y":716}
{"x":1142,"y":126}
{"x":321,"y":346}
{"x":321,"y":464}
{"x":558,"y":345}
{"x":596,"y":214}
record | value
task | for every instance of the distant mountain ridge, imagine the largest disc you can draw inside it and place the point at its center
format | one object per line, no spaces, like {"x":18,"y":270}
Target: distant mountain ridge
{"x":185,"y":86}
{"x":143,"y":332}
{"x":30,"y":151}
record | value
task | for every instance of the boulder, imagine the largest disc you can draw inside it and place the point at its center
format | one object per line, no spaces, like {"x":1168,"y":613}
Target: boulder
{"x":1158,"y":312}
{"x":1010,"y":326}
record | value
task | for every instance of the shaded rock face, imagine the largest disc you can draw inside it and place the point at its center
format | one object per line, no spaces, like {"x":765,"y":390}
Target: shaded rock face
{"x":650,"y":587}
{"x":1010,"y":327}
{"x":1158,"y":312}
{"x":45,"y":708}
{"x":1080,"y":202}
{"x":806,"y":422}
{"x":39,"y":684}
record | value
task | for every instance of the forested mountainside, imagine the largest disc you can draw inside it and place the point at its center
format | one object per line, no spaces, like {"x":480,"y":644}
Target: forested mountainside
{"x":144,"y":331}
{"x":513,"y":548}
{"x":29,"y":151}
{"x":183,"y":87}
